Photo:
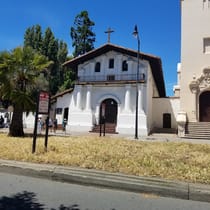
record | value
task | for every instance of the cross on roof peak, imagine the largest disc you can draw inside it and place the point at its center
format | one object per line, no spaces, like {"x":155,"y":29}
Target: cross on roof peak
{"x":109,"y":31}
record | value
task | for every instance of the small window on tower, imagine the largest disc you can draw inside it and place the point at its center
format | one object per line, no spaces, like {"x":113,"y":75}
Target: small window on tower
{"x":206,"y":45}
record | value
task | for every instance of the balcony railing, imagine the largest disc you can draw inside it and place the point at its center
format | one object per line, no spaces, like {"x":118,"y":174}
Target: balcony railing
{"x":111,"y":78}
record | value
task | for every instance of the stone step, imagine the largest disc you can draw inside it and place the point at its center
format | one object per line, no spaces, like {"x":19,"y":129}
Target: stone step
{"x":164,"y":130}
{"x":188,"y":136}
{"x":109,"y":128}
{"x":198,"y":130}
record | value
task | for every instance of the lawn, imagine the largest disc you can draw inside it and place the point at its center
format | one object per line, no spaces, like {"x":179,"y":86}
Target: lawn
{"x":170,"y":160}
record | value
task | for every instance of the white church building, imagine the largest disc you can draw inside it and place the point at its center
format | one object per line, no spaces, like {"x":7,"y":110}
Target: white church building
{"x":107,"y":86}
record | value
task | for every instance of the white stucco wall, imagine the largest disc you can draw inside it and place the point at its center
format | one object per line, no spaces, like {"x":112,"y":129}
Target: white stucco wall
{"x":83,"y":119}
{"x":80,"y":115}
{"x":169,"y":105}
{"x":151,"y":92}
{"x":87,"y":69}
{"x":63,"y":102}
{"x":28,"y":120}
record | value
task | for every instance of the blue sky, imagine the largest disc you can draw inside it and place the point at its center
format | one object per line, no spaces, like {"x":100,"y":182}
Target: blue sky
{"x":158,"y":23}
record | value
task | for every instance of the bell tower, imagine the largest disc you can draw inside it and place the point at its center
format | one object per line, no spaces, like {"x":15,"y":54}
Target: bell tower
{"x":194,"y":69}
{"x":195,"y":54}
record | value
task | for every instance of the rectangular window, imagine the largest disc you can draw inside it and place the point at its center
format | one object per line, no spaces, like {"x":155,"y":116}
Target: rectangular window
{"x":111,"y":63}
{"x":124,"y":66}
{"x":110,"y":77}
{"x":206,"y":45}
{"x":58,"y":110}
{"x":98,"y":67}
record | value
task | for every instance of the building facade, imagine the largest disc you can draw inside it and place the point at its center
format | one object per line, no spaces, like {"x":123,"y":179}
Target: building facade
{"x":106,"y":87}
{"x":194,"y":70}
{"x":107,"y":84}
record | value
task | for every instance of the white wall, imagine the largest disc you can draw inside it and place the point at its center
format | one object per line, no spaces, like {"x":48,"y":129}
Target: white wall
{"x":169,"y":105}
{"x":151,"y":92}
{"x":63,"y":102}
{"x":28,"y":120}
{"x":88,"y":68}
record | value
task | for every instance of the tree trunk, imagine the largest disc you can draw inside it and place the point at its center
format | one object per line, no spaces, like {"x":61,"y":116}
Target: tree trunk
{"x":16,"y":127}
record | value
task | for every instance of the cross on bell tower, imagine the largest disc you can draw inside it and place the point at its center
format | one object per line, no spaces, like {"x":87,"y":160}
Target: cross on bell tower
{"x":109,"y":31}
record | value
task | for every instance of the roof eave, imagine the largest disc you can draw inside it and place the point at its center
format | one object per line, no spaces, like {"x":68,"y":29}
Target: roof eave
{"x":155,"y":62}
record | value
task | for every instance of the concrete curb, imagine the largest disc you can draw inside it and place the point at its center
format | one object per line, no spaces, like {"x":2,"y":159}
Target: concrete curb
{"x":155,"y":186}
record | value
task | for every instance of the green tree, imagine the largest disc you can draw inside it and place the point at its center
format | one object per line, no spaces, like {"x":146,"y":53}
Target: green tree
{"x":20,"y":75}
{"x":62,"y":57}
{"x":33,"y":37}
{"x":69,"y":78}
{"x":49,"y":45}
{"x":54,"y":49}
{"x":83,"y":37}
{"x":50,"y":49}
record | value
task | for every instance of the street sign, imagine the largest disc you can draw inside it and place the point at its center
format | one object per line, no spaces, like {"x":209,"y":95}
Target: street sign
{"x":43,"y":106}
{"x":43,"y":103}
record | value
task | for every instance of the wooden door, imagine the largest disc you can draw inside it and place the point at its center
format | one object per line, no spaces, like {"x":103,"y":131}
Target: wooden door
{"x":110,"y":110}
{"x":204,"y":106}
{"x":166,"y":120}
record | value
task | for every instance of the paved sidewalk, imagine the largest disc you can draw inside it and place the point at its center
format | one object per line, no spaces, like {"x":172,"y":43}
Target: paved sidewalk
{"x":98,"y":178}
{"x":155,"y":137}
{"x":156,"y":186}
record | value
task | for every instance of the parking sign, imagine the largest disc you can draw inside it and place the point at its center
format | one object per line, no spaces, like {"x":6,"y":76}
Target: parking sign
{"x":43,"y":102}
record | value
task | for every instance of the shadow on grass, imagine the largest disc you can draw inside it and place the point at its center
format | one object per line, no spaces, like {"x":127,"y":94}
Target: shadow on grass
{"x":31,"y":135}
{"x":27,"y":201}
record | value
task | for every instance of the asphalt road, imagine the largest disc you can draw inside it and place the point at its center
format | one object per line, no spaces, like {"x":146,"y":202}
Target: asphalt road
{"x":21,"y":193}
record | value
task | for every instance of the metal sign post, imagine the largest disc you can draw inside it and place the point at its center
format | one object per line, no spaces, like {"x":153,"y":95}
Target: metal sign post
{"x":35,"y":129}
{"x":43,"y":105}
{"x":102,"y":118}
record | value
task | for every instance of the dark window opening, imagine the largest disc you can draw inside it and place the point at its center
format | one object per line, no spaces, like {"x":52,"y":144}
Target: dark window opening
{"x":124,"y":66}
{"x":110,"y":77}
{"x":66,"y":114}
{"x":58,"y":110}
{"x":111,"y":63}
{"x":142,"y":76}
{"x":98,"y":67}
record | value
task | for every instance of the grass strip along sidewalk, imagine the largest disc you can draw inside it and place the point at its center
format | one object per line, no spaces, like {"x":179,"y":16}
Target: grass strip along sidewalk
{"x":170,"y":160}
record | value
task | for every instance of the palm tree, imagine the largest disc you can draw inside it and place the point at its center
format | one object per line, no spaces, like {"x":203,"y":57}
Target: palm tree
{"x":20,"y":75}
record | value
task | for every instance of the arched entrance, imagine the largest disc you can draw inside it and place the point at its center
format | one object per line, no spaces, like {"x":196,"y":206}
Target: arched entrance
{"x":204,"y":106}
{"x":108,"y":109}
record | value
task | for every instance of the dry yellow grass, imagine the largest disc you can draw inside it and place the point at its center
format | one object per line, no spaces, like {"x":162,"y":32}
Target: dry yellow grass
{"x":179,"y":161}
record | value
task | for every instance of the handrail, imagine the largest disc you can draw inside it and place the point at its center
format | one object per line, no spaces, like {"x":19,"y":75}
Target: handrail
{"x":111,"y":77}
